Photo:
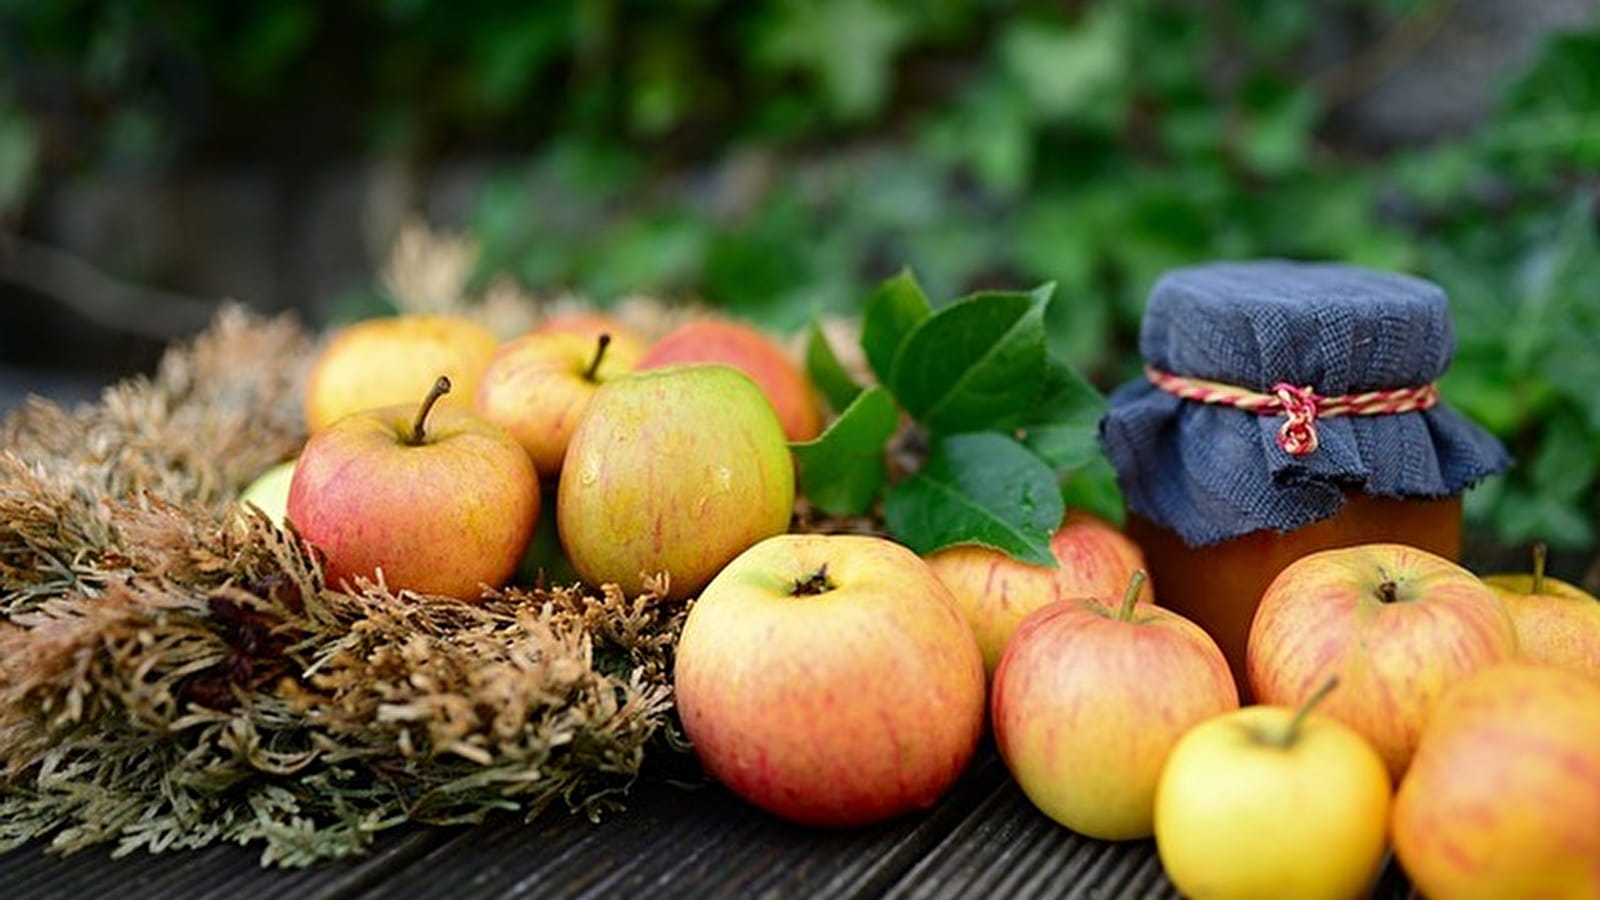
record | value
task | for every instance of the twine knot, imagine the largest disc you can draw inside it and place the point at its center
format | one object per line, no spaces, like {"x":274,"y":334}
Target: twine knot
{"x":1301,"y":407}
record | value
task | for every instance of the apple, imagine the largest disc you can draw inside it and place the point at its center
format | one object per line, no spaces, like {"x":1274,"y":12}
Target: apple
{"x":269,"y":492}
{"x":1503,"y":798}
{"x":393,"y":360}
{"x":1397,"y":624}
{"x":538,"y":386}
{"x":714,"y":340}
{"x":1268,"y":801}
{"x":830,"y":680}
{"x":1088,"y":700}
{"x":1556,"y":622}
{"x":673,"y":470}
{"x":995,"y":591}
{"x":439,"y":501}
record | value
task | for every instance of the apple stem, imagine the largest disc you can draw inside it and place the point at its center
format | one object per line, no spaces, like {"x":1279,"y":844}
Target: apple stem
{"x":812,"y":585}
{"x":1292,"y":733}
{"x":1541,"y":554}
{"x":1130,"y":597}
{"x":602,"y":343}
{"x":439,"y":389}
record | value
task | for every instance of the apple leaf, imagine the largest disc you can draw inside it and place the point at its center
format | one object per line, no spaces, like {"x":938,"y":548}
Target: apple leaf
{"x":978,"y":363}
{"x":826,"y":372}
{"x":979,"y":488}
{"x":1064,"y":428}
{"x":842,"y":471}
{"x":893,"y":311}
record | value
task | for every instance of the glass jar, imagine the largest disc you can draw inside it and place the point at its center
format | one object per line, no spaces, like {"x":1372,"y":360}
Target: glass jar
{"x":1286,"y":408}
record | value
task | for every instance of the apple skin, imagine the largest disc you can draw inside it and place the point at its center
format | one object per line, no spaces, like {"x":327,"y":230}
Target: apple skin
{"x":995,"y":591}
{"x":1557,"y":622}
{"x":445,"y":517}
{"x":673,"y":470}
{"x":590,"y":324}
{"x":269,"y":492}
{"x":714,"y":340}
{"x":1326,"y":614}
{"x":394,"y":360}
{"x":845,"y":707}
{"x":1503,"y":799}
{"x":1086,"y":705}
{"x":538,"y":386}
{"x":1239,"y":815}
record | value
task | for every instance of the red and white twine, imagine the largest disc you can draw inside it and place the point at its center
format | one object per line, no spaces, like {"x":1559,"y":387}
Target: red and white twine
{"x":1300,"y":406}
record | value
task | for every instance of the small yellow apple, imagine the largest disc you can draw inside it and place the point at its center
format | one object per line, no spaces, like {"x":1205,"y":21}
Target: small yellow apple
{"x":1557,"y":622}
{"x":394,"y":360}
{"x":1268,"y":802}
{"x":270,"y":491}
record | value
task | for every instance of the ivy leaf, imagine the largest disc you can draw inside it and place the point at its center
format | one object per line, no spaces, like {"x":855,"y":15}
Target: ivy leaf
{"x":982,"y":488}
{"x":893,"y":311}
{"x":1064,"y":428}
{"x":976,"y":364}
{"x":842,"y":471}
{"x":826,"y":372}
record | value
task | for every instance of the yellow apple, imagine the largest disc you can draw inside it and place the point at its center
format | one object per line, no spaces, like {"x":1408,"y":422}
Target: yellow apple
{"x":440,"y":501}
{"x":674,"y":471}
{"x":1503,"y":799}
{"x":995,"y":591}
{"x":269,"y":492}
{"x":1557,"y":622}
{"x":394,"y":360}
{"x":539,"y":385}
{"x":1090,"y":697}
{"x":1269,"y":802}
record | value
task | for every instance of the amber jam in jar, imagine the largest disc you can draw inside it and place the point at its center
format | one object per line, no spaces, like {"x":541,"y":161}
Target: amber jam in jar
{"x":1286,"y":408}
{"x":1218,"y":585}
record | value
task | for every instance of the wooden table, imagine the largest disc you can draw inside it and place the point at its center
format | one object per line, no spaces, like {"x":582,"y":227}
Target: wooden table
{"x":676,"y":839}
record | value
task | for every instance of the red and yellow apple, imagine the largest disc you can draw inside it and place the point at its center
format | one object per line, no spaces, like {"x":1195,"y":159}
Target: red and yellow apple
{"x":1503,"y":799}
{"x":394,"y":360}
{"x":437,"y":500}
{"x":713,"y":340}
{"x":1269,"y":801}
{"x":1557,"y":622}
{"x":1396,"y":624}
{"x":830,"y":680}
{"x":675,"y":471}
{"x":538,"y":386}
{"x":1089,"y":698}
{"x":996,"y":591}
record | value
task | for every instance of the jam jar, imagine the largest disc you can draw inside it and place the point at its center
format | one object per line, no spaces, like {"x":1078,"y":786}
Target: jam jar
{"x":1285,"y":408}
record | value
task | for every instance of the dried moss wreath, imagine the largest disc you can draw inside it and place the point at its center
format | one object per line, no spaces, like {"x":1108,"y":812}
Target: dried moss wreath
{"x":174,"y":671}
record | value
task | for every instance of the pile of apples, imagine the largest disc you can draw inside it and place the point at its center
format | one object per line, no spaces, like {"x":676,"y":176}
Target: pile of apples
{"x":836,"y":680}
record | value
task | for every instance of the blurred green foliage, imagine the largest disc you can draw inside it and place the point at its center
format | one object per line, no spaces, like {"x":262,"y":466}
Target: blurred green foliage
{"x":780,"y":157}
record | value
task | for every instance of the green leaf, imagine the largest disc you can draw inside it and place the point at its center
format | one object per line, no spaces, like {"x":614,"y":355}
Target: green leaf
{"x":893,"y":311}
{"x":1064,"y":428}
{"x":826,"y":372}
{"x":978,"y":363}
{"x":842,"y":471}
{"x":979,"y":488}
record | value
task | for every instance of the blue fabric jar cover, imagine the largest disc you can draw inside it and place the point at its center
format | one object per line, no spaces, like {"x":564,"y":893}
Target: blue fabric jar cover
{"x":1211,"y":472}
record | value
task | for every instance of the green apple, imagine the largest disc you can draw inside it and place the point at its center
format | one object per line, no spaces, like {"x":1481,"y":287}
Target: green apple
{"x":1557,"y":622}
{"x":830,"y":679}
{"x":675,"y":471}
{"x":440,"y":501}
{"x":270,"y":491}
{"x":538,"y":386}
{"x":1088,"y":699}
{"x":1267,"y":802}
